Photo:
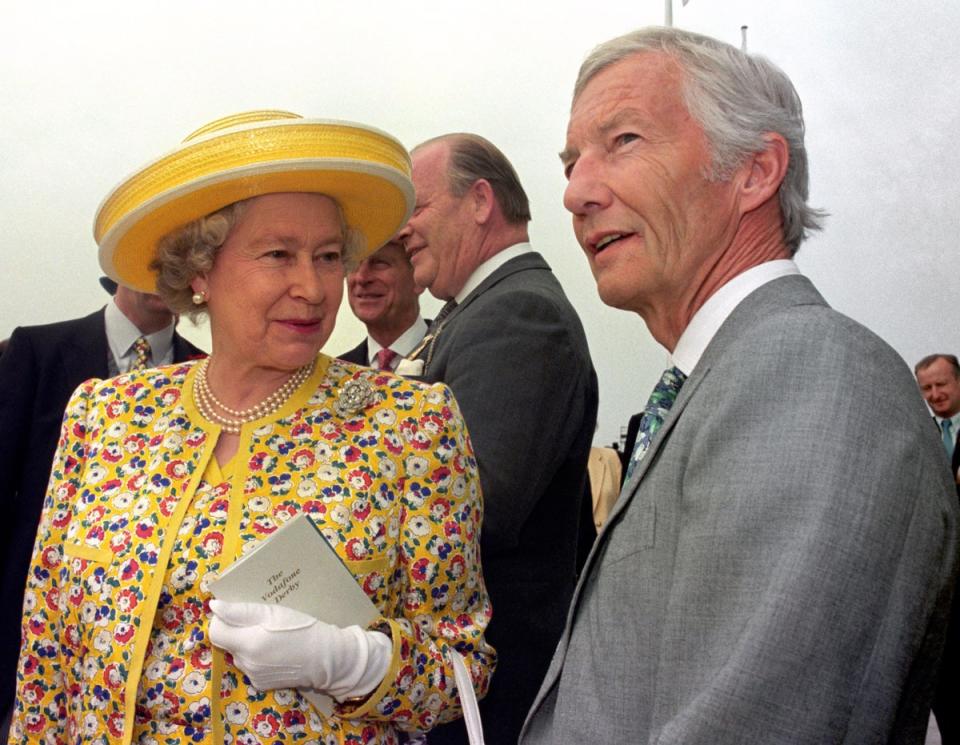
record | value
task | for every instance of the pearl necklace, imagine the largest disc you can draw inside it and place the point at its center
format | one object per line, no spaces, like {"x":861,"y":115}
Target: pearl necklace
{"x":208,"y":404}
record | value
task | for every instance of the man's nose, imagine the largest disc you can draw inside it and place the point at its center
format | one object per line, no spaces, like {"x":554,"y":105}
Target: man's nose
{"x":586,"y":188}
{"x":361,"y":273}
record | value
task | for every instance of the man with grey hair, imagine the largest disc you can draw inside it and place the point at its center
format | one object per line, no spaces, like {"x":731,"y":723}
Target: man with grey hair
{"x":779,"y":564}
{"x":512,"y":349}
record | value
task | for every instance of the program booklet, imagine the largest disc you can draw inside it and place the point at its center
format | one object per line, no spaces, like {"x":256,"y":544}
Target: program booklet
{"x":297,"y":568}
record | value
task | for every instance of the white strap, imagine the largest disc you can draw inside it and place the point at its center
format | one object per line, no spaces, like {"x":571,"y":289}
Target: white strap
{"x":468,"y":699}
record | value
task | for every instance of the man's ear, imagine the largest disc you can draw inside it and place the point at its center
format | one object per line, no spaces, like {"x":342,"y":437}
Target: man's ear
{"x":765,"y":171}
{"x":482,"y":200}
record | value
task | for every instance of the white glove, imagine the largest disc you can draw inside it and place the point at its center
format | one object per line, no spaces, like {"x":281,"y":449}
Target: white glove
{"x":278,"y":647}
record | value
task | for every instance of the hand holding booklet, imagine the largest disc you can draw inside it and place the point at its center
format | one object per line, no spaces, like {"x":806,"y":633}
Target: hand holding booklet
{"x":297,"y":568}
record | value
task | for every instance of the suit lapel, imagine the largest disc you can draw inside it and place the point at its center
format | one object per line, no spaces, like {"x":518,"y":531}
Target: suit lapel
{"x":627,"y":493}
{"x":630,"y":485}
{"x":85,"y":356}
{"x":769,"y":298}
{"x":183,"y":350}
{"x":524,"y":262}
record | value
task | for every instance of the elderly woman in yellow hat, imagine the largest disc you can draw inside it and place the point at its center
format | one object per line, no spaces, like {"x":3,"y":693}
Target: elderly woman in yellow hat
{"x":164,"y":477}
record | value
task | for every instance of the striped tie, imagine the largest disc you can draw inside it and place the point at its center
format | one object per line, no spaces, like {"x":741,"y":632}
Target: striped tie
{"x":424,"y":350}
{"x":441,"y":316}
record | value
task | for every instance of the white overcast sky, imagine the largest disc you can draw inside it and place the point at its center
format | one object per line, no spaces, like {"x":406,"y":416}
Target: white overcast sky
{"x":90,"y":91}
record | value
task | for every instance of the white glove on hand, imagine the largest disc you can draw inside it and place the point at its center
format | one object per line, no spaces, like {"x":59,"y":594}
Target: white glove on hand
{"x":278,"y":647}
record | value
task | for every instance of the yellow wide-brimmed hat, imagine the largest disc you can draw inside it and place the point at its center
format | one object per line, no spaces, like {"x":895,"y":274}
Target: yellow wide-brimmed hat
{"x":246,"y":155}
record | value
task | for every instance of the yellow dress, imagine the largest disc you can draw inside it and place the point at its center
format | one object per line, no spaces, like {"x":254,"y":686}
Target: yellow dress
{"x":139,"y":515}
{"x":175,"y":699}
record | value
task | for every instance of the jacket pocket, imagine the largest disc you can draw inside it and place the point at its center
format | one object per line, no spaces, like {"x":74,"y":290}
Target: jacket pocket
{"x":99,"y":554}
{"x":635,"y":531}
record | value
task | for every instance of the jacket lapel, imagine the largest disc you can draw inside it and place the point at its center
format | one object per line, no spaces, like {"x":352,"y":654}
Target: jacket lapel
{"x":184,"y":350}
{"x":524,"y":262}
{"x":630,"y":485}
{"x":85,"y":356}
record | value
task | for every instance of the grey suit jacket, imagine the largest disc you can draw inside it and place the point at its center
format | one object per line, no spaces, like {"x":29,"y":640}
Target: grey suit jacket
{"x":515,"y":355}
{"x":779,"y":566}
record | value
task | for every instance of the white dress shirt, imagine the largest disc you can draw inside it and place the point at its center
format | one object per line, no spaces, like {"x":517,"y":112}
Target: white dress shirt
{"x":489,"y":266}
{"x":711,"y":315}
{"x":955,"y":425}
{"x":121,"y":334}
{"x":402,"y":345}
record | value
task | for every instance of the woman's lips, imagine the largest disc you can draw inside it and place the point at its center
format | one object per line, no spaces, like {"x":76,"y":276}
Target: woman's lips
{"x":300,"y":326}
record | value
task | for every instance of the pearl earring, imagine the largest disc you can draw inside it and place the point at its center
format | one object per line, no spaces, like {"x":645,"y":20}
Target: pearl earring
{"x":199,"y":298}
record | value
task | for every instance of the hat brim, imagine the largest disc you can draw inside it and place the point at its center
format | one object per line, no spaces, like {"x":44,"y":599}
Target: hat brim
{"x":372,"y":186}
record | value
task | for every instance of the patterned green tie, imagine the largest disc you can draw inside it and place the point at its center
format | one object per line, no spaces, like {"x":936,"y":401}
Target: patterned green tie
{"x":661,"y":400}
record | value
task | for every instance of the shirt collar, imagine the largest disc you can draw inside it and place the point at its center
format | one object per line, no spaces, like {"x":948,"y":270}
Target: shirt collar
{"x":711,"y":315}
{"x":491,"y":265}
{"x":955,"y":420}
{"x":403,"y":344}
{"x":121,"y":334}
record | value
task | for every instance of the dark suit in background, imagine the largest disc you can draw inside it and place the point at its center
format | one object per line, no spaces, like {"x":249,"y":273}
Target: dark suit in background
{"x":946,"y":701}
{"x":515,"y":355}
{"x":633,"y":428}
{"x":938,"y":377}
{"x":39,"y":370}
{"x":955,"y":468}
{"x":358,"y":355}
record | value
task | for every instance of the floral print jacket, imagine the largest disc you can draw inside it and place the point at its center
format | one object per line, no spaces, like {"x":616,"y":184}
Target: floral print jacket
{"x":383,"y":464}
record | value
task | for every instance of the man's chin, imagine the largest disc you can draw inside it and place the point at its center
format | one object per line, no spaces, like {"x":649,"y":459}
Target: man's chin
{"x":157,"y":306}
{"x":611,"y":294}
{"x":367,"y":312}
{"x":423,"y":279}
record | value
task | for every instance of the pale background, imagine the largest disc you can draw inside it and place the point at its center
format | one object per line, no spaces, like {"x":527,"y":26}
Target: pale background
{"x":89,"y":91}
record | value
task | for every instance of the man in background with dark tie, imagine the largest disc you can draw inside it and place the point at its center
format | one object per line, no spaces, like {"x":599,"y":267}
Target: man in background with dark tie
{"x":39,"y":370}
{"x":780,"y":562}
{"x":938,"y":376}
{"x":512,"y":349}
{"x":383,"y":295}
